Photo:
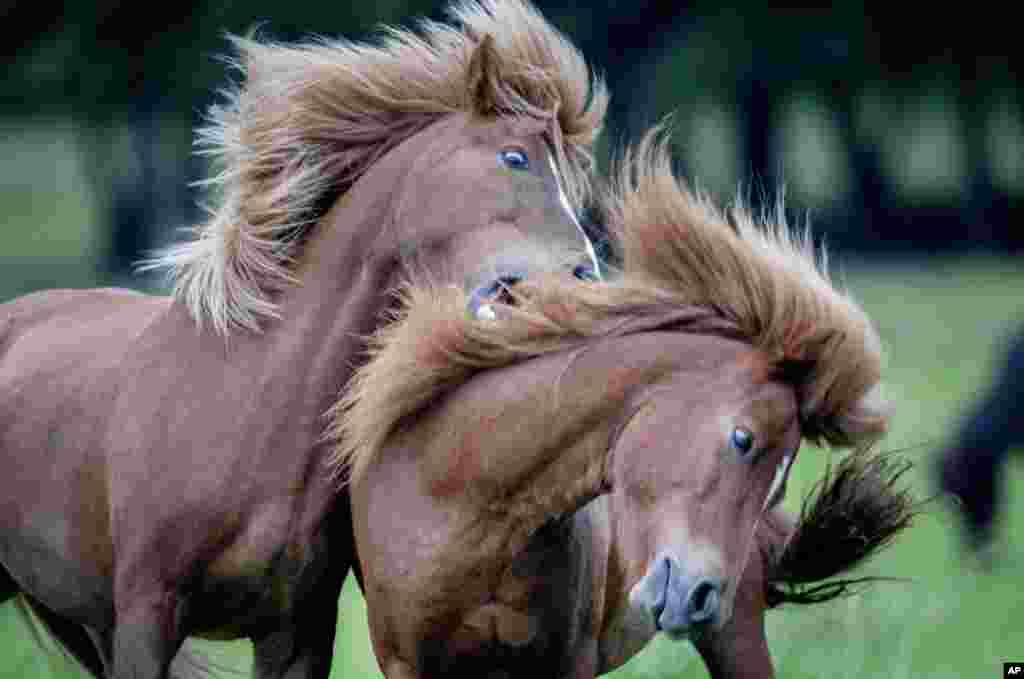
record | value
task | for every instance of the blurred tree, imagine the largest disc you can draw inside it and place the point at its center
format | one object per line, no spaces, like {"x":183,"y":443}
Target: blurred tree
{"x":624,"y":40}
{"x":132,"y":75}
{"x":136,"y":77}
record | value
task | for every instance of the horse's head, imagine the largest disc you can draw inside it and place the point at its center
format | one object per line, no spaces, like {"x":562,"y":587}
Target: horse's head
{"x":702,"y":452}
{"x":461,"y":153}
{"x":482,"y":199}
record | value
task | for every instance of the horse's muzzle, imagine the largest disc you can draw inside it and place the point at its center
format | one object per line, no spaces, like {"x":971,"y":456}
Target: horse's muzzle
{"x":679,"y":604}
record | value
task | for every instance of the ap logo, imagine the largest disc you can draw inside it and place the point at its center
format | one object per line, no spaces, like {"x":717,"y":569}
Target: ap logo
{"x":1013,"y":669}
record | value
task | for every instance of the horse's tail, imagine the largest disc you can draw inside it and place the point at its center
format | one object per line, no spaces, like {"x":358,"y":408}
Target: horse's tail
{"x":852,"y":513}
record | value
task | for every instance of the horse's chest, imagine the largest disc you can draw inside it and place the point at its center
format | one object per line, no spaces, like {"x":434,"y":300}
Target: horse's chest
{"x":264,"y":537}
{"x":494,"y":640}
{"x":498,"y":639}
{"x":257,"y":578}
{"x":497,"y":623}
{"x":531,"y":622}
{"x":232,"y":606}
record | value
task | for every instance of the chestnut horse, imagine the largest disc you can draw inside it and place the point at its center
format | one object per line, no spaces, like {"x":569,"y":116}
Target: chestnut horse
{"x":543,"y":487}
{"x":164,"y":468}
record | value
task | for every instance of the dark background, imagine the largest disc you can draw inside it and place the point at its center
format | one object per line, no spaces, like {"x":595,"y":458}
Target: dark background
{"x":895,"y":131}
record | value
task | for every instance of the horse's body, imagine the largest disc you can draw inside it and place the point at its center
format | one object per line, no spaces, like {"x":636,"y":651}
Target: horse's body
{"x":546,"y":487}
{"x":164,"y":468}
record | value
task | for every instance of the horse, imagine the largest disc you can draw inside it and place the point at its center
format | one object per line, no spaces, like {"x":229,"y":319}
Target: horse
{"x":540,"y":485}
{"x":165,"y":471}
{"x":971,"y":466}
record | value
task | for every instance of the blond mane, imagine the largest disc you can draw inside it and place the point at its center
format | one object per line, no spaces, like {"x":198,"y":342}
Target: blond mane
{"x":310,"y":119}
{"x":764,"y":283}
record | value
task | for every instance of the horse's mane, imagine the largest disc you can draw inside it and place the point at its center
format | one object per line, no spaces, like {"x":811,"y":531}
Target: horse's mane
{"x":760,"y":280}
{"x":310,"y":119}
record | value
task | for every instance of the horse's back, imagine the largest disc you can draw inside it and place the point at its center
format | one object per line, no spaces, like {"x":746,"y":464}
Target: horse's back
{"x":59,"y":362}
{"x":59,"y":356}
{"x":69,"y":313}
{"x":63,"y":335}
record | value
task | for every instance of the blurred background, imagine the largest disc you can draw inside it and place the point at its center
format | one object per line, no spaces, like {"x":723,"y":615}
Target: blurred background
{"x":898,"y":136}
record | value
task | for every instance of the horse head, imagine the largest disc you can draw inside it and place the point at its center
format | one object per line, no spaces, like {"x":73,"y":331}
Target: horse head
{"x":680,"y":391}
{"x":458,"y":154}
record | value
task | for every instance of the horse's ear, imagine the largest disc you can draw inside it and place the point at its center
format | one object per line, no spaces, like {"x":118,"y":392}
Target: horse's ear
{"x":483,"y":77}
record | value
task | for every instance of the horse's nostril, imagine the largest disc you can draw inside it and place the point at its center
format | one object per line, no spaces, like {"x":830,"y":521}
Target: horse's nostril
{"x":703,"y":602}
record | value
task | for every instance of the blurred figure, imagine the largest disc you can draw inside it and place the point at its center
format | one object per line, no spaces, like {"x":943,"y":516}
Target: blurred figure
{"x":971,"y":468}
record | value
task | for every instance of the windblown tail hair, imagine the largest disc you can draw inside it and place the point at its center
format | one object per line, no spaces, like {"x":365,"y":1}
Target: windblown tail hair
{"x":852,"y":513}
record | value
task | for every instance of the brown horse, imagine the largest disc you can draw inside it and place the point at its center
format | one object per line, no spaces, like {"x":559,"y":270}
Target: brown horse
{"x":544,"y":487}
{"x":164,"y":465}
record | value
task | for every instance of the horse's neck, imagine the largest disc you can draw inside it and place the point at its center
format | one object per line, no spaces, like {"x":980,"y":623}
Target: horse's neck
{"x":276,"y":385}
{"x":344,"y":289}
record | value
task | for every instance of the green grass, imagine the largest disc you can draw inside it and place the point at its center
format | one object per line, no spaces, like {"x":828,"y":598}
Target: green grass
{"x":942,"y":321}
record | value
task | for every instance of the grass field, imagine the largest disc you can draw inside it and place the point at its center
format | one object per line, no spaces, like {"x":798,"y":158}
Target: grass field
{"x":942,"y":321}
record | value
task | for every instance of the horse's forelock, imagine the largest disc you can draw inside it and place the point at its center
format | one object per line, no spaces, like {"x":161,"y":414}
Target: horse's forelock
{"x":767,"y":279}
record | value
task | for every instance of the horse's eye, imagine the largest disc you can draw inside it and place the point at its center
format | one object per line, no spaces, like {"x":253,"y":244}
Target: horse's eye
{"x":515,"y":158}
{"x":742,"y":440}
{"x":585,"y":272}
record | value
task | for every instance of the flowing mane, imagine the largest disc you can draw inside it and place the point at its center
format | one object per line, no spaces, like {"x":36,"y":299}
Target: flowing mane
{"x":759,"y":280}
{"x":310,"y":119}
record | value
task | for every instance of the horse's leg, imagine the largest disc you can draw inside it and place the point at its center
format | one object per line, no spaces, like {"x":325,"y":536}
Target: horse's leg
{"x":191,"y":663}
{"x":83,"y":645}
{"x":147,"y":634}
{"x":302,"y":647}
{"x":740,"y":649}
